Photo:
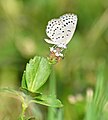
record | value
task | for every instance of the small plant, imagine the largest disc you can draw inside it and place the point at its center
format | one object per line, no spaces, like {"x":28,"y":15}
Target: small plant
{"x":37,"y":72}
{"x":39,"y":69}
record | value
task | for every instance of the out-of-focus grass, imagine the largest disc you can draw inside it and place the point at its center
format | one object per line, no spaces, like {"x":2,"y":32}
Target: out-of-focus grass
{"x":22,"y":33}
{"x":97,"y":102}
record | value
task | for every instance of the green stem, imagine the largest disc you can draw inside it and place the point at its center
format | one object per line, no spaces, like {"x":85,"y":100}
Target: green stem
{"x":23,"y":111}
{"x":24,"y":107}
{"x":52,"y":89}
{"x":52,"y":84}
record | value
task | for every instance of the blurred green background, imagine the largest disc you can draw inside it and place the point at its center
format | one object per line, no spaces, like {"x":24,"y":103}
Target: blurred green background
{"x":22,"y":33}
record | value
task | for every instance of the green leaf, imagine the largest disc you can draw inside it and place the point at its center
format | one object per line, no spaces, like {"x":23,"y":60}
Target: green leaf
{"x":48,"y":101}
{"x":36,"y":74}
{"x":32,"y":94}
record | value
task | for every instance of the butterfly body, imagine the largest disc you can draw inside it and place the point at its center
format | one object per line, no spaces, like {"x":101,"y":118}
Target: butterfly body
{"x":61,"y":30}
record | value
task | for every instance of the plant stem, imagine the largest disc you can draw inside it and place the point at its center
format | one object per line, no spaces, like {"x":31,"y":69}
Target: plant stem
{"x":52,"y":84}
{"x":23,"y":111}
{"x":24,"y":107}
{"x":52,"y":89}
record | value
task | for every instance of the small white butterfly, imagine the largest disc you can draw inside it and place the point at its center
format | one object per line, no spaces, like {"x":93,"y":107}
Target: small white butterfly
{"x":61,"y":30}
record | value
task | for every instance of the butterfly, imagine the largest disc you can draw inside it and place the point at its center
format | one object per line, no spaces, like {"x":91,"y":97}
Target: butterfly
{"x":61,"y":30}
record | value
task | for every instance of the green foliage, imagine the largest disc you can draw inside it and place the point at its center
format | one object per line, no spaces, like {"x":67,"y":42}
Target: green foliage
{"x":22,"y":33}
{"x":97,"y":104}
{"x":53,"y":113}
{"x":48,"y":101}
{"x":36,"y":73}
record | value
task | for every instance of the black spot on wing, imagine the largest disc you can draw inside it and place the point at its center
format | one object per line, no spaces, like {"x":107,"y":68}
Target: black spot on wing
{"x":69,"y":30}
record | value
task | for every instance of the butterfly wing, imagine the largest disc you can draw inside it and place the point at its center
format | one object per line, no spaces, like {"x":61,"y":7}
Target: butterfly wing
{"x":60,"y":31}
{"x":69,"y":21}
{"x":53,"y":31}
{"x":49,"y":41}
